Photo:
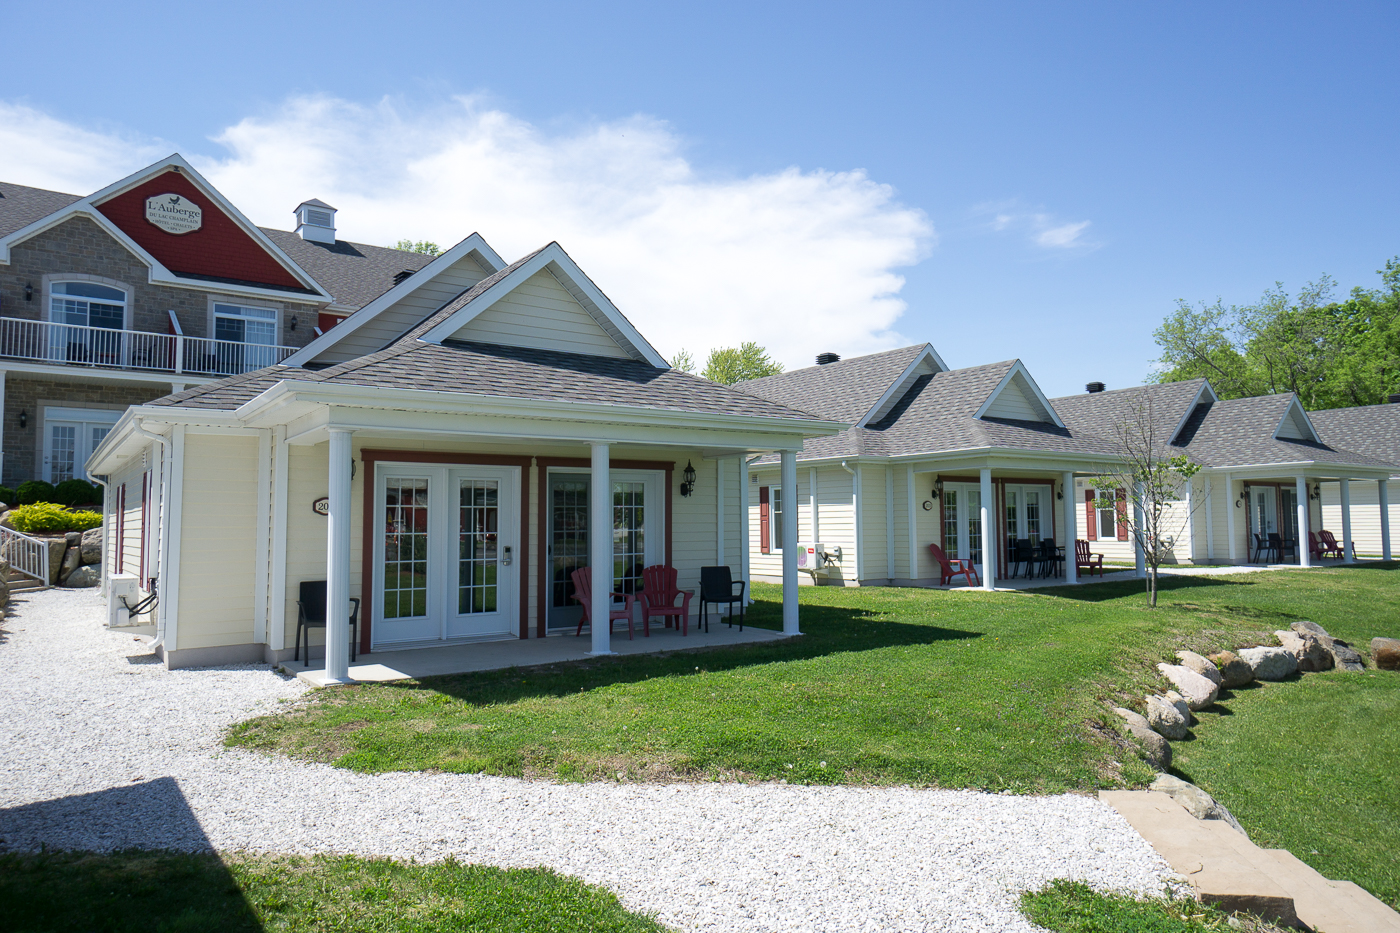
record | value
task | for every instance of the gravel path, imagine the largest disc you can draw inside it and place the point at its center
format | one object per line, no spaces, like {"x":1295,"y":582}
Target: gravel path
{"x":100,"y":749}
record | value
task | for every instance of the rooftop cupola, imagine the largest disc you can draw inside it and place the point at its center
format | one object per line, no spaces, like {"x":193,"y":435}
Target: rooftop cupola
{"x":316,"y":221}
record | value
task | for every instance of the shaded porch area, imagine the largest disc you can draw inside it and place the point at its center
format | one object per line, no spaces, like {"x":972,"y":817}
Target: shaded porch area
{"x":384,"y":666}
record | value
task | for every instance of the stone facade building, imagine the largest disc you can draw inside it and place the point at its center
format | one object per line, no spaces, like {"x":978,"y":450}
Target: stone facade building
{"x":152,"y":285}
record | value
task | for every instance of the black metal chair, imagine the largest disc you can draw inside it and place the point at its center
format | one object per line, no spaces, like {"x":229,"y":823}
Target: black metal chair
{"x":311,"y":613}
{"x":1278,"y":545}
{"x":717,"y":586}
{"x":1260,"y":546}
{"x":1048,"y":559}
{"x":1022,"y":553}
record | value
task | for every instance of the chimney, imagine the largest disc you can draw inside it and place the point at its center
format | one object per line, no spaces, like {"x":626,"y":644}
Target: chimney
{"x":1094,"y":387}
{"x":824,"y":358}
{"x":316,"y":221}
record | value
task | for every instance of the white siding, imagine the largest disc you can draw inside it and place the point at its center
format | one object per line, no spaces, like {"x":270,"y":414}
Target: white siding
{"x":1365,"y":514}
{"x":1012,"y":402}
{"x":390,"y":323}
{"x":835,"y":521}
{"x":927,"y":525}
{"x":217,"y":533}
{"x":872,"y":495}
{"x":126,"y":558}
{"x":539,"y":313}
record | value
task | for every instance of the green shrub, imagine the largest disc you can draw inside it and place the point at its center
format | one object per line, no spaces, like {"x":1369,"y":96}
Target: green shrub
{"x":7,"y":496}
{"x":76,"y":492}
{"x":51,"y":518}
{"x":32,"y":491}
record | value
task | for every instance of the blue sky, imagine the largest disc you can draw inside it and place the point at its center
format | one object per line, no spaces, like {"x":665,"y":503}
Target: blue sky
{"x":1046,"y":178}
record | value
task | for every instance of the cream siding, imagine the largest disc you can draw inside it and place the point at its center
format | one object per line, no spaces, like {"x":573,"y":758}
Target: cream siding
{"x":1012,"y":402}
{"x":217,"y":535}
{"x":872,"y":516}
{"x":540,"y":313}
{"x":926,"y":527}
{"x":1365,"y":514}
{"x":127,"y":558}
{"x":393,"y":321}
{"x":902,"y":566}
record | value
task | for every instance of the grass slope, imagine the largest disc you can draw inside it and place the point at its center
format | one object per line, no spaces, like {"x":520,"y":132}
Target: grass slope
{"x":987,"y":690}
{"x":176,"y":892}
{"x":1073,"y":907}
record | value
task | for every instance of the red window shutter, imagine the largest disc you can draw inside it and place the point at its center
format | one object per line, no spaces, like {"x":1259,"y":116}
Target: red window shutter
{"x":763,"y":519}
{"x":1122,"y":514}
{"x":1091,"y":525}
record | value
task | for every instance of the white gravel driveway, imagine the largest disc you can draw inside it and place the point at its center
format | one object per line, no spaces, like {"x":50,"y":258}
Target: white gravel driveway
{"x":101,"y":749}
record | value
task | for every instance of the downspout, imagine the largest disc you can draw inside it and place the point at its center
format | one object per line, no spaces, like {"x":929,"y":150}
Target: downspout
{"x":857,"y":518}
{"x":102,"y":580}
{"x":138,"y":429}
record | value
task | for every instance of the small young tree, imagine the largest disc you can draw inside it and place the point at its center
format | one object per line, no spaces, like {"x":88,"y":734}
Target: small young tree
{"x":683,"y":361}
{"x":1151,"y":476}
{"x":426,"y":247}
{"x":729,"y":365}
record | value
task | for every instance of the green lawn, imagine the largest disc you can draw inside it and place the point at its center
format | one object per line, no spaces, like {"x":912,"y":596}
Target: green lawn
{"x":1065,"y":906}
{"x":173,"y":893}
{"x":1312,"y":766}
{"x":986,"y":690}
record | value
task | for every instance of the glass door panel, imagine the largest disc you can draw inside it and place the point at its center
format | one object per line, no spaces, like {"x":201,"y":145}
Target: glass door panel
{"x":478,"y":526}
{"x":972,"y":547}
{"x":484,"y":547}
{"x":568,"y":544}
{"x":405,"y":560}
{"x":629,"y":536}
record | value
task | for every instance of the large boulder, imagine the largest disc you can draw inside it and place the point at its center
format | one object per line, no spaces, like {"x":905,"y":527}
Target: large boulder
{"x":1344,"y":657}
{"x":72,"y":560}
{"x":57,"y":548}
{"x":1156,"y":749}
{"x":92,"y":546}
{"x":1269,"y":663}
{"x":1234,"y":672}
{"x":1196,"y":801}
{"x":1386,"y":653}
{"x":1165,"y":719}
{"x":86,"y":575}
{"x":1312,"y":655}
{"x":1197,"y":691}
{"x":1200,"y":665}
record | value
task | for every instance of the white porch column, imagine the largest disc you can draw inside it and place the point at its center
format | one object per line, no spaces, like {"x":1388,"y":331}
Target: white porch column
{"x":1304,"y":554}
{"x":788,"y":466}
{"x":1210,"y":524}
{"x":1348,"y":550}
{"x":3,"y":376}
{"x":1071,"y":527}
{"x":989,"y":533}
{"x":1230,"y":509}
{"x":1384,"y":490}
{"x":338,"y":559}
{"x":1139,"y":556}
{"x":744,"y":526}
{"x":600,"y":550}
{"x":719,"y":513}
{"x":913,"y":524}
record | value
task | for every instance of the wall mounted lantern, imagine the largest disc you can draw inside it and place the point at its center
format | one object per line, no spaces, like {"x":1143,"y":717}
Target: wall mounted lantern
{"x":23,"y":419}
{"x":688,"y":480}
{"x":938,"y":487}
{"x":1059,"y":490}
{"x":28,"y":291}
{"x":1244,"y":497}
{"x":1316,"y":491}
{"x":294,"y":322}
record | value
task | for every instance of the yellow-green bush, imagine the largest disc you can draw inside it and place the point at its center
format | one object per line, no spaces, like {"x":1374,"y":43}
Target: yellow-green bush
{"x":50,"y":518}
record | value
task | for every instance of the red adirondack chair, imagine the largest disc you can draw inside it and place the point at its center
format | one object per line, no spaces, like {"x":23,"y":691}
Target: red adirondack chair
{"x":1083,"y":560}
{"x":954,"y":567}
{"x":659,"y":592}
{"x":1330,"y":545}
{"x":583,"y":589}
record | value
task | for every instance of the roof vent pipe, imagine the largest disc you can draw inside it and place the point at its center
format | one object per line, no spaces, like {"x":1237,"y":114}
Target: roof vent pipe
{"x":1394,"y":399}
{"x":1093,"y":387}
{"x":824,"y":358}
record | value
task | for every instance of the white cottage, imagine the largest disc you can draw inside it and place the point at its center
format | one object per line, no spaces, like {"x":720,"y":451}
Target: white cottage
{"x":442,"y":456}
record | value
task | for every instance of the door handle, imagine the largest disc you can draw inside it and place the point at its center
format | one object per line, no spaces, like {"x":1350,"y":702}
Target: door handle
{"x":505,"y":556}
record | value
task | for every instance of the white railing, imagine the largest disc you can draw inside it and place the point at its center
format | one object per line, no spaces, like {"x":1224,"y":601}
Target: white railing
{"x":80,"y":345}
{"x":29,"y":556}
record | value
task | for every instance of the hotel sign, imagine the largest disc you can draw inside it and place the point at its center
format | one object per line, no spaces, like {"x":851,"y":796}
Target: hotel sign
{"x":174,"y":214}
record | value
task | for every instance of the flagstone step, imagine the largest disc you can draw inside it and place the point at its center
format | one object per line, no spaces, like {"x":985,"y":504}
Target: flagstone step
{"x":1224,"y":867}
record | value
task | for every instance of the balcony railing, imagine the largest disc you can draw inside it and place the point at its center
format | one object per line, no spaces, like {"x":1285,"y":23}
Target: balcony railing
{"x":77,"y":345}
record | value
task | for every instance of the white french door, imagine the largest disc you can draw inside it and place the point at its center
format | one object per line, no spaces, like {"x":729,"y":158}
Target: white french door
{"x":70,"y":437}
{"x":962,"y":522}
{"x":447,"y":553}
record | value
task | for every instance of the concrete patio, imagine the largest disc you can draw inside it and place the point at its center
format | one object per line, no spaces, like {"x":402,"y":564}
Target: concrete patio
{"x":462,"y":658}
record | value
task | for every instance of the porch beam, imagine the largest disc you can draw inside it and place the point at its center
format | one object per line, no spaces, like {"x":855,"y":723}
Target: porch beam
{"x":600,"y":550}
{"x":1383,"y":488}
{"x":788,"y":466}
{"x":989,"y":532}
{"x":1348,"y":550}
{"x":1300,"y":485}
{"x":338,"y":558}
{"x":1071,"y":527}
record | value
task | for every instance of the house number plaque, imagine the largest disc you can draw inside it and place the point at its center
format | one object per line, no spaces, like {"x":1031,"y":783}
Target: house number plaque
{"x":322,"y":506}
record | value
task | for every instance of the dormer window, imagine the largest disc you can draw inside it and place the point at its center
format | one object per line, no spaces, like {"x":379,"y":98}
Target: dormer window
{"x":316,"y":221}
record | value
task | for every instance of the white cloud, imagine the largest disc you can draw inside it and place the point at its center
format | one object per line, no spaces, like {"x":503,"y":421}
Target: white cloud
{"x":1039,"y":228}
{"x":43,"y":152}
{"x":1062,"y":237}
{"x":800,"y":261}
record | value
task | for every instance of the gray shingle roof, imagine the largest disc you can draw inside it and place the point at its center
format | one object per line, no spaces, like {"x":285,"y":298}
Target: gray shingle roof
{"x":20,"y":206}
{"x":503,"y":372}
{"x":466,"y":297}
{"x":1240,"y":432}
{"x":842,"y":391}
{"x":1102,"y":413}
{"x":1373,"y":430}
{"x":355,"y":273}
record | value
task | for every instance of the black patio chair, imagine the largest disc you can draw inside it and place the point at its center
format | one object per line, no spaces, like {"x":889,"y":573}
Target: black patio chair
{"x":1278,"y":545}
{"x":1021,"y":553}
{"x":717,"y":586}
{"x":311,"y":613}
{"x":1048,"y":559}
{"x":1260,"y":546}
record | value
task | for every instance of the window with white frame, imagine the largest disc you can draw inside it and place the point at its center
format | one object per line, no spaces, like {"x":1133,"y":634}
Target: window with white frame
{"x":1108,"y":516}
{"x":770,"y":519}
{"x":70,"y":437}
{"x":87,"y":320}
{"x":246,"y":336}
